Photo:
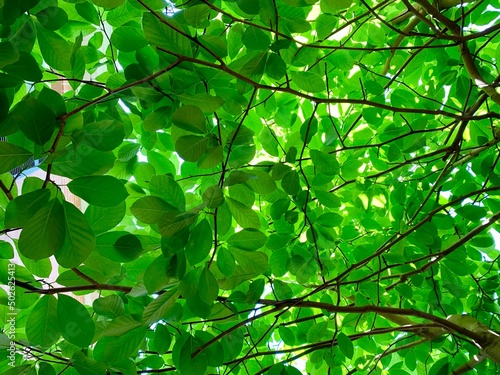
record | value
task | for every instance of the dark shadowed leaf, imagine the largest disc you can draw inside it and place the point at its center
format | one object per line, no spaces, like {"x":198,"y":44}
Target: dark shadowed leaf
{"x":74,"y":321}
{"x":44,"y":233}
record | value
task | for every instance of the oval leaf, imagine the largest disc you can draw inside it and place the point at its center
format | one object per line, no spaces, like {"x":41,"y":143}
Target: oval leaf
{"x":150,"y":209}
{"x":191,"y":147}
{"x":74,"y":321}
{"x":79,"y":241}
{"x":213,"y":197}
{"x":44,"y":233}
{"x":248,"y":239}
{"x":200,"y":242}
{"x":190,"y":118}
{"x":42,"y":327}
{"x":102,"y":191}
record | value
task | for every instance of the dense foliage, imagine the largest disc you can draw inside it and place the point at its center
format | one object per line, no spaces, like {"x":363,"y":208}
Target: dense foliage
{"x":271,"y":187}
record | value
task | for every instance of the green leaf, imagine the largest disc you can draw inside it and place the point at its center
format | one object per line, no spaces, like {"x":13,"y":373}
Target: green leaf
{"x":197,"y":16}
{"x":150,"y":209}
{"x":255,"y":66}
{"x":208,"y":288}
{"x":6,"y":250}
{"x":325,"y":24}
{"x":162,"y":339}
{"x":116,"y":349}
{"x":83,"y":161}
{"x":74,"y":321}
{"x":334,"y":6}
{"x":169,"y":190}
{"x":102,"y":191}
{"x":206,"y":102}
{"x":248,"y":239}
{"x":102,"y":219}
{"x":287,"y":335}
{"x":225,"y":261}
{"x":308,"y":81}
{"x":79,"y":241}
{"x":172,"y":223}
{"x":45,"y":368}
{"x":119,"y":246}
{"x":41,"y":326}
{"x":250,"y":265}
{"x":190,"y":118}
{"x":162,"y":33}
{"x":86,"y":365}
{"x":159,"y":307}
{"x":291,"y":183}
{"x":191,"y":147}
{"x":317,"y":332}
{"x":108,"y":4}
{"x":52,"y":18}
{"x":56,"y":51}
{"x":241,"y":136}
{"x":254,"y":38}
{"x":326,"y":163}
{"x":104,"y":135}
{"x":275,"y":67}
{"x":120,"y":326}
{"x":88,"y":12}
{"x":308,"y":130}
{"x":217,"y":46}
{"x":345,"y":344}
{"x":8,"y":81}
{"x":128,"y":151}
{"x":156,"y":275}
{"x":255,"y":290}
{"x":244,"y":215}
{"x":8,"y":54}
{"x":23,"y":207}
{"x":330,"y":220}
{"x":12,"y":156}
{"x":110,"y":306}
{"x":44,"y":233}
{"x":260,"y":182}
{"x":37,"y":121}
{"x":128,"y":39}
{"x":213,"y":196}
{"x":189,"y":365}
{"x":25,"y":68}
{"x":200,"y":242}
{"x":472,"y":213}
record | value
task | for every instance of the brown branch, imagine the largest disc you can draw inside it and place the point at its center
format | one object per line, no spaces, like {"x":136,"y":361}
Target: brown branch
{"x":6,"y":191}
{"x":69,"y":289}
{"x":363,"y":102}
{"x":84,"y":277}
{"x":436,"y":257}
{"x":396,"y":238}
{"x":106,"y":96}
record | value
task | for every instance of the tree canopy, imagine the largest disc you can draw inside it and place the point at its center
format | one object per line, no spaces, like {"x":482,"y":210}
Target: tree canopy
{"x":271,"y":186}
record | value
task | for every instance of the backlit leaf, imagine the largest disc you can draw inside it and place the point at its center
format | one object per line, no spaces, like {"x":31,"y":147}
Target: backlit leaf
{"x":42,"y":327}
{"x":102,"y":191}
